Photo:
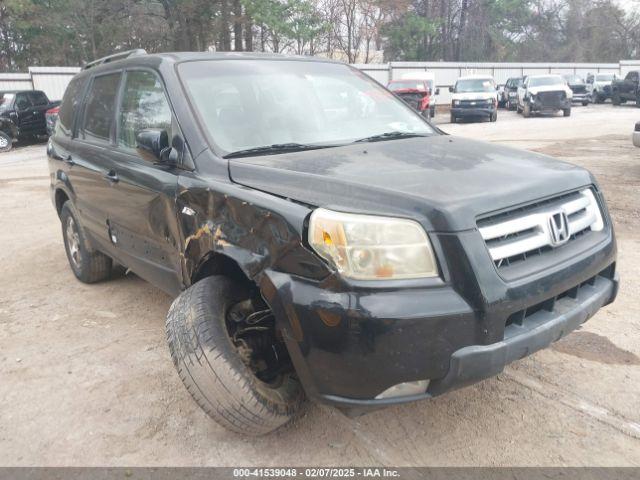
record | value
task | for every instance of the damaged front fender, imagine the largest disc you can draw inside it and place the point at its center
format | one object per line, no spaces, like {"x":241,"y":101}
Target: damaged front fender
{"x":257,"y":230}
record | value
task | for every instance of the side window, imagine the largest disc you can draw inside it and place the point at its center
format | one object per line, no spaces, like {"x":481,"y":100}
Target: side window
{"x":70,"y":105}
{"x":99,"y":110}
{"x":144,"y":106}
{"x":634,"y":76}
{"x":22,"y":101}
{"x":38,"y":98}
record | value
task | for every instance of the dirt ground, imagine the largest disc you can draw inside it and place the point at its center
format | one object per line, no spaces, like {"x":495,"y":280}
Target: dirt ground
{"x":86,"y":377}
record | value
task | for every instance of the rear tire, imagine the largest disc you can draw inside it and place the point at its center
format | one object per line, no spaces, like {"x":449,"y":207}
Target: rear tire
{"x":526,"y":110}
{"x":211,"y":368}
{"x":518,"y":109}
{"x":493,"y":117}
{"x":88,"y":266}
{"x":585,"y":103}
{"x":566,"y":112}
{"x":453,"y":118}
{"x":6,"y":143}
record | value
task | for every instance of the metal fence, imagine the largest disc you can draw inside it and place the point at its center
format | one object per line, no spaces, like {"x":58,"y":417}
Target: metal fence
{"x":51,"y":80}
{"x":54,"y":80}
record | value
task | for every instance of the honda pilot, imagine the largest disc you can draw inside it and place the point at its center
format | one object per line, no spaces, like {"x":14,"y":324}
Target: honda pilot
{"x":320,"y":237}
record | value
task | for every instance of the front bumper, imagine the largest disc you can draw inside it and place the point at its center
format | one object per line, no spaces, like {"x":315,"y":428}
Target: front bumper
{"x":476,"y":111}
{"x":538,"y":105}
{"x":580,"y":97}
{"x":349,"y":343}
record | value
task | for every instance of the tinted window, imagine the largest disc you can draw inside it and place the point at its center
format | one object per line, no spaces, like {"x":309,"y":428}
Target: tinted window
{"x":22,"y":101}
{"x":69,"y":106}
{"x":99,"y":110}
{"x":38,"y":98}
{"x":144,"y":106}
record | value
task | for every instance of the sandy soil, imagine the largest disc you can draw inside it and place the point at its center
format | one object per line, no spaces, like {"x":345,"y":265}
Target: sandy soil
{"x":86,"y":378}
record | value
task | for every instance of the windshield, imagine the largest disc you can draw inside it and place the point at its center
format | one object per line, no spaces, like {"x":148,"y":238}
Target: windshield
{"x":469,"y":85}
{"x":410,"y":85}
{"x":5,"y":100}
{"x":604,"y":77}
{"x":545,"y":81}
{"x":246,"y":104}
{"x":573,"y":79}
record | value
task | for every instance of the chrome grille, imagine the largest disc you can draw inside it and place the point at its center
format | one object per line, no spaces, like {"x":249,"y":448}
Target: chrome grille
{"x":533,"y":230}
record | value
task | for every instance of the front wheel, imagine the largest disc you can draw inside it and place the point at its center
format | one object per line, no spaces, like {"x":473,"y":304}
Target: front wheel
{"x":453,"y":118}
{"x":230,"y":358}
{"x":493,"y":117}
{"x":615,"y":98}
{"x":526,"y":110}
{"x":566,"y":112}
{"x":5,"y":142}
{"x":585,"y":103}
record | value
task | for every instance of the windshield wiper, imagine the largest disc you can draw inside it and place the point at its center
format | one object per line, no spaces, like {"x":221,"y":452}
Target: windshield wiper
{"x":389,"y":136}
{"x":275,"y":149}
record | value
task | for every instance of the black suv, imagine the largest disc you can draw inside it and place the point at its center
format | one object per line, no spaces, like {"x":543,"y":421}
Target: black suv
{"x":320,"y":236}
{"x":22,"y":115}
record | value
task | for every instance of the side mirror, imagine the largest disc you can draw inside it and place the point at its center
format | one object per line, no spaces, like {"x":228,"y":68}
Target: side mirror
{"x":451,"y":89}
{"x":152,"y":142}
{"x":437,"y":91}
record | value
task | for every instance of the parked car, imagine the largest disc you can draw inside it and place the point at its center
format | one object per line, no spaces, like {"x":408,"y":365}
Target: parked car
{"x":510,"y":92}
{"x":627,"y":89}
{"x":636,"y":135}
{"x":416,"y":92}
{"x":544,"y":94}
{"x":51,"y":117}
{"x":474,"y":96}
{"x":599,"y":86}
{"x":361,"y":257}
{"x":26,"y":111}
{"x":579,"y":88}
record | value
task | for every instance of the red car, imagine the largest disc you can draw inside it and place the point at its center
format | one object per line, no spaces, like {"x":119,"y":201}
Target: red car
{"x":417,"y":93}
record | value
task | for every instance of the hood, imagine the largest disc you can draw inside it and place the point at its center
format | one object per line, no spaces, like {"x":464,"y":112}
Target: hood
{"x":444,"y":182}
{"x":474,"y":95}
{"x":550,"y":88}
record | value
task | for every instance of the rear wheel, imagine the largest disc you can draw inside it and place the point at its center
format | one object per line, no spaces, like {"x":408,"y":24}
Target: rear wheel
{"x":638,"y":100}
{"x":5,"y":142}
{"x":566,"y":112}
{"x":585,"y":103}
{"x":493,"y":117}
{"x":526,"y":110}
{"x":432,"y":111}
{"x":518,"y":109}
{"x":453,"y":118}
{"x":230,"y":357}
{"x":88,"y":266}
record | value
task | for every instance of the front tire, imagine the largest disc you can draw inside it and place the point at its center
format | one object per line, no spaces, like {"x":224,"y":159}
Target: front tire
{"x":211,"y":366}
{"x":88,"y":266}
{"x":526,"y":110}
{"x":585,"y":103}
{"x":453,"y":118}
{"x":566,"y":112}
{"x":5,"y":142}
{"x":615,"y":99}
{"x":493,"y":117}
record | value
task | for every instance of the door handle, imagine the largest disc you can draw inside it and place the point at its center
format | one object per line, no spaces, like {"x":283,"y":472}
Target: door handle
{"x":69,"y":161}
{"x":111,"y":176}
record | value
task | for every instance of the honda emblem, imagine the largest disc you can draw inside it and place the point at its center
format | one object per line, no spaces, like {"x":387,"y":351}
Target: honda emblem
{"x":559,"y":228}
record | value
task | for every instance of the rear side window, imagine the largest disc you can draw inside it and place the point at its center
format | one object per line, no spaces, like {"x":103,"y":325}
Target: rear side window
{"x":70,"y":105}
{"x":98,"y":118}
{"x":38,"y":98}
{"x":22,"y":101}
{"x":144,"y":106}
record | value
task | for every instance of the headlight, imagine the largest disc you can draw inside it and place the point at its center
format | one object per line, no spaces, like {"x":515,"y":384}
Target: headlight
{"x":367,"y":247}
{"x":456,"y":103}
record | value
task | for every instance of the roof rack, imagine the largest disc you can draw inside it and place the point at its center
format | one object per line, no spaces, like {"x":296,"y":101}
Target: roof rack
{"x":115,"y":56}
